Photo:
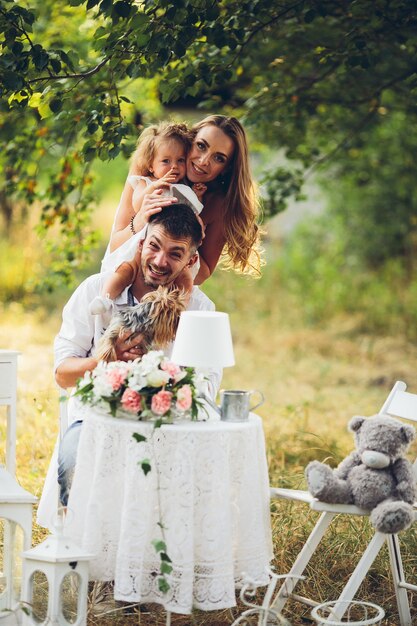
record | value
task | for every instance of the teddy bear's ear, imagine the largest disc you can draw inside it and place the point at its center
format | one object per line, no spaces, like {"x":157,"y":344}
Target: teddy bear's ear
{"x":408,"y":432}
{"x":355,"y":423}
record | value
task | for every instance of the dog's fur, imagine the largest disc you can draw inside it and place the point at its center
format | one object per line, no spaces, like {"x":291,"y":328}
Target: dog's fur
{"x":156,"y":318}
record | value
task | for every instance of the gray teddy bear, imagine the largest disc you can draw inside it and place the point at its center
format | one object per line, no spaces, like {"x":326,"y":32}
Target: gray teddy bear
{"x":375,"y":476}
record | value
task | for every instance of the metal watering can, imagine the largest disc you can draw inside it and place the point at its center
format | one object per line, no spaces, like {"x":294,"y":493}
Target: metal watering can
{"x":235,"y":404}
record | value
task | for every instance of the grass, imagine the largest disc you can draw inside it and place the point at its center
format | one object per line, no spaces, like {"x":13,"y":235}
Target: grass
{"x":314,"y":380}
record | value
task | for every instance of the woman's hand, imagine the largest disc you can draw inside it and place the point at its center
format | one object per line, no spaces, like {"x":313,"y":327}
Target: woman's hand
{"x":151,"y":203}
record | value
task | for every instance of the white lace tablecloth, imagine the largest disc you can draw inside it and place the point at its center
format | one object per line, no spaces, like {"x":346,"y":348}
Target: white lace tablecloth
{"x":211,"y":493}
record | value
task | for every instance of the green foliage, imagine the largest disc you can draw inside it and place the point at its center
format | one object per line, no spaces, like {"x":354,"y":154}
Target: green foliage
{"x":280,"y":184}
{"x":372,"y":193}
{"x":308,"y":76}
{"x":326,"y":279}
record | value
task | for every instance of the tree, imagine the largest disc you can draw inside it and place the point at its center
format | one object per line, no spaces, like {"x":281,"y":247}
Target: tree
{"x":308,"y":75}
{"x":373,"y":197}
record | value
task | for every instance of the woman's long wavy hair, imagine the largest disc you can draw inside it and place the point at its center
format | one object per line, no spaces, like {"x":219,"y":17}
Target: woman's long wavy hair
{"x":151,"y":138}
{"x":242,"y":250}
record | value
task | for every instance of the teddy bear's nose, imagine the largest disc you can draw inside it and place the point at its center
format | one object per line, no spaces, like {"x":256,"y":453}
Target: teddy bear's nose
{"x":376,"y":460}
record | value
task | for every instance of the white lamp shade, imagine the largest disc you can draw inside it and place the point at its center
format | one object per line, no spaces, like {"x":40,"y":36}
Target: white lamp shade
{"x":203,"y":339}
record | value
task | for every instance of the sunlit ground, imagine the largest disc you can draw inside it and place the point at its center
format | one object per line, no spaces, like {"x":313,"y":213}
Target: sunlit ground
{"x":314,"y":379}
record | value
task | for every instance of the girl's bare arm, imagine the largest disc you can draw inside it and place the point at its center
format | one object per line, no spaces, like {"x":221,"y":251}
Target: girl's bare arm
{"x":147,"y":204}
{"x":121,"y":229}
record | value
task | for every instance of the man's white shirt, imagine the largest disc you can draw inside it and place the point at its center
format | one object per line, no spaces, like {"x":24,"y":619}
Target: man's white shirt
{"x":81,"y":331}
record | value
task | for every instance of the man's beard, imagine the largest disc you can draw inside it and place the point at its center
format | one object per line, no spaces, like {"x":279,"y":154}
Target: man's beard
{"x":165,"y":281}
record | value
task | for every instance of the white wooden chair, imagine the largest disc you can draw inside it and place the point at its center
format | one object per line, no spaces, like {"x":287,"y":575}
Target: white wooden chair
{"x":15,"y":502}
{"x":400,"y":404}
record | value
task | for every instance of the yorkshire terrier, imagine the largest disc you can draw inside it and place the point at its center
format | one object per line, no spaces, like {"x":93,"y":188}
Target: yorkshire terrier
{"x":154,"y":320}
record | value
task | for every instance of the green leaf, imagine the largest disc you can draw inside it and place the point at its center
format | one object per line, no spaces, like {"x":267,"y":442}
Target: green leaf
{"x":92,"y":3}
{"x":134,"y":70}
{"x":122,"y":9}
{"x":66,"y":59}
{"x":166,"y":568}
{"x":56,"y":65}
{"x":138,"y":437}
{"x":40,"y":57}
{"x":55,"y":105}
{"x":164,"y":56}
{"x":106,"y":5}
{"x":146,"y":466}
{"x":44,"y":110}
{"x":12,"y":80}
{"x":142,"y":39}
{"x":159,"y":545}
{"x":163,"y":585}
{"x":35,"y":100}
{"x":179,"y":49}
{"x":139,"y":20}
{"x":164,"y":557}
{"x":17,"y":48}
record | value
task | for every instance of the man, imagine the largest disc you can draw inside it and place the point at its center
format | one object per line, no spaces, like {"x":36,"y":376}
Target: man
{"x":168,"y":252}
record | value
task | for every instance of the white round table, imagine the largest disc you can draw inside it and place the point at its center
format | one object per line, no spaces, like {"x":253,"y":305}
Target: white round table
{"x":208,"y":486}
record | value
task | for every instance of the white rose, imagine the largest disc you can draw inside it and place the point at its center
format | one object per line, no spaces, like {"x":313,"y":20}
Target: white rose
{"x":150,"y":361}
{"x":157,"y":378}
{"x":102,"y":387}
{"x":137,"y":381}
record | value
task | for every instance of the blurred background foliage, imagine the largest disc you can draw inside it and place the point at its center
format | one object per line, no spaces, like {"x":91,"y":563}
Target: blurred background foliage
{"x":327,"y":92}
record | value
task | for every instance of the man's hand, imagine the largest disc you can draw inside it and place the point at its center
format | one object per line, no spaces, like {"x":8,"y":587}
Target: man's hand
{"x":129,"y":347}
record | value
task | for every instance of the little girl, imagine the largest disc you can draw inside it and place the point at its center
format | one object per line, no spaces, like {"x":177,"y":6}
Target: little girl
{"x":160,"y":160}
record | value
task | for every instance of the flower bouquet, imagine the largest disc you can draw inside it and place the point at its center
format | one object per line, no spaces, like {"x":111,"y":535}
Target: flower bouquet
{"x":151,"y":387}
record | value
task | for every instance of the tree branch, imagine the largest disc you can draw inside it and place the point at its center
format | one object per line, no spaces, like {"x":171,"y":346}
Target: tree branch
{"x":261,"y":27}
{"x":345,"y":141}
{"x":81,"y":75}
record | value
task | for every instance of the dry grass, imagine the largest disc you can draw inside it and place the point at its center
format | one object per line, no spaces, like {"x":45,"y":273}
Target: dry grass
{"x":314,"y":380}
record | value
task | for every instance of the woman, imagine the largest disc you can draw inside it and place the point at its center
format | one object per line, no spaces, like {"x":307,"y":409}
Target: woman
{"x":218,"y":159}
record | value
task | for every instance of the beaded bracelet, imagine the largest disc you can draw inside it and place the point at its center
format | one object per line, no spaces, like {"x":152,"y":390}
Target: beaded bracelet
{"x":132,"y":228}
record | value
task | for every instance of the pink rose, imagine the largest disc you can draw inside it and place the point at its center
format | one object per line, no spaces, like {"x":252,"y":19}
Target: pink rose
{"x":172,"y":369}
{"x":131,"y":400}
{"x":116,"y":378}
{"x":184,"y":398}
{"x":161,"y":402}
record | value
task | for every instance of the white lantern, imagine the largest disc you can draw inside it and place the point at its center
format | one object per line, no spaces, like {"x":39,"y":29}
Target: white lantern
{"x":63,"y":565}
